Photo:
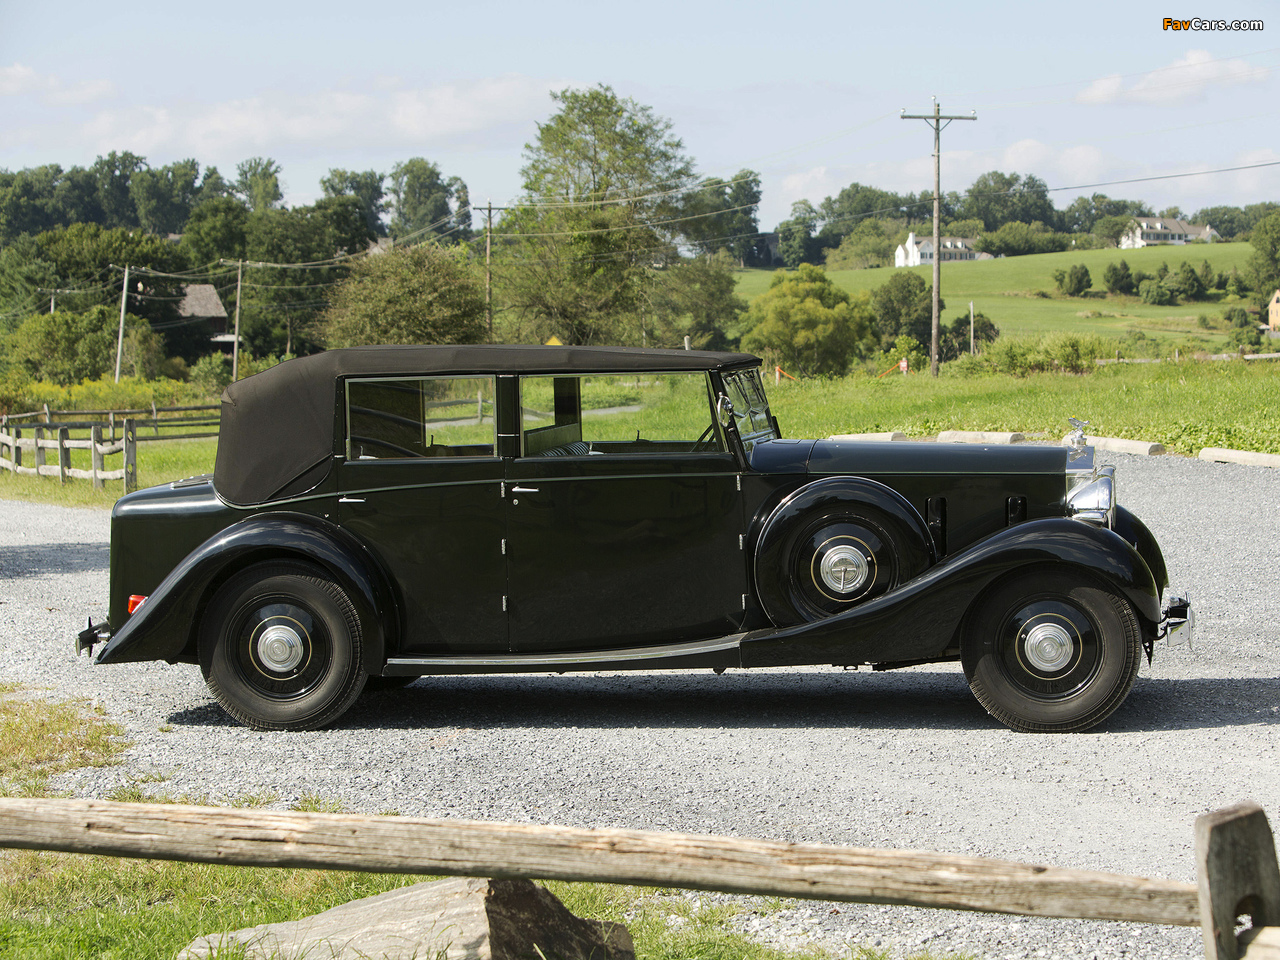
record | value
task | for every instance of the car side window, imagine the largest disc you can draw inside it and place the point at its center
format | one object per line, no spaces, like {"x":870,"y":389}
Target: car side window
{"x":618,"y":414}
{"x":420,"y":417}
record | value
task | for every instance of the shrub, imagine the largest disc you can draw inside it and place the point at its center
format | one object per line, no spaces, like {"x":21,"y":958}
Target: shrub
{"x":1155,"y":293}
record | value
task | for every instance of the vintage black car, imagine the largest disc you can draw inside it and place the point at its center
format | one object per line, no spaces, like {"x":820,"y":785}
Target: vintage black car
{"x":382,"y":513}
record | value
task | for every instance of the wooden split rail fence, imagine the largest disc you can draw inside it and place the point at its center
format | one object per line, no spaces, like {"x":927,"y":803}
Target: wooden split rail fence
{"x":1235,"y":854}
{"x":40,"y":444}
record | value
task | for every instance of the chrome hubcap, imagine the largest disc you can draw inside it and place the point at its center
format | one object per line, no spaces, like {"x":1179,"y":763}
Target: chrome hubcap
{"x":1048,"y":647}
{"x":844,"y":568}
{"x":280,"y":647}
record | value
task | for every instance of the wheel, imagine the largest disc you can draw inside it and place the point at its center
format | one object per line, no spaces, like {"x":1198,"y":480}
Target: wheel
{"x":834,"y":558}
{"x":1052,"y":651}
{"x":280,"y":648}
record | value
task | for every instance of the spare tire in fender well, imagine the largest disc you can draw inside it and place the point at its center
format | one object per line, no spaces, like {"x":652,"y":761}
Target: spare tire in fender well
{"x":846,"y":506}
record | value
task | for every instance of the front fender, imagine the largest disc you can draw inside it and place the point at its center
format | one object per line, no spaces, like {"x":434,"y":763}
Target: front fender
{"x":921,"y":620}
{"x":166,"y":626}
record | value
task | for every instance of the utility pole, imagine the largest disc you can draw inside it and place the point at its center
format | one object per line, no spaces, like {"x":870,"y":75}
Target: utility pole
{"x":935,"y":120}
{"x":488,"y":266}
{"x":235,"y":346}
{"x":124,"y":293}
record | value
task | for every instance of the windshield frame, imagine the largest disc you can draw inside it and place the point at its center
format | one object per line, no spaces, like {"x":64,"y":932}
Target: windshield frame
{"x":751,"y":415}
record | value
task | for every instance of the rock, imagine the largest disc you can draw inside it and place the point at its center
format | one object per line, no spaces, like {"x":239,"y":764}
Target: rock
{"x":457,"y":919}
{"x":891,"y":435}
{"x":979,"y":436}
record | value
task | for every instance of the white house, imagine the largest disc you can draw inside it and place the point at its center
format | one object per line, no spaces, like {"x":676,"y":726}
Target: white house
{"x":920,"y":250}
{"x":1149,"y":231}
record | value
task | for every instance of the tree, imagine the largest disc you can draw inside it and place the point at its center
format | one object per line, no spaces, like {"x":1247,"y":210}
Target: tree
{"x":998,"y":198}
{"x":1073,"y":282}
{"x":366,"y":187}
{"x":258,"y":184}
{"x":113,"y":174}
{"x":422,"y":294}
{"x":1185,"y":283}
{"x":869,"y":244}
{"x":694,"y":298}
{"x":1118,"y":279}
{"x":810,"y":324}
{"x":1111,"y":229}
{"x":164,"y":198}
{"x":797,"y":242}
{"x":723,"y":216}
{"x":420,"y":200}
{"x":1016,"y":239}
{"x":954,"y":341}
{"x":217,"y":229}
{"x":67,"y":347}
{"x":603,"y":180}
{"x":904,"y":306}
{"x":1264,"y":266}
{"x":1155,"y":293}
{"x":281,"y":303}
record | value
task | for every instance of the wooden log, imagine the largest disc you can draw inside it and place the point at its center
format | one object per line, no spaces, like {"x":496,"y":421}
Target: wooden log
{"x":1238,"y":876}
{"x":456,"y":919}
{"x":64,"y":455}
{"x":95,"y":457}
{"x":39,"y":448}
{"x":130,"y":456}
{"x":462,"y":848}
{"x":17,"y":447}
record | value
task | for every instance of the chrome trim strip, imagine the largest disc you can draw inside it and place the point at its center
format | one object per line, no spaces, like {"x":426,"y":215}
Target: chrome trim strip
{"x":536,"y":660}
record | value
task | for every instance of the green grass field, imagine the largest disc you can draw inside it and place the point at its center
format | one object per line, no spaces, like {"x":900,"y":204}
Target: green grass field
{"x":1007,"y":291}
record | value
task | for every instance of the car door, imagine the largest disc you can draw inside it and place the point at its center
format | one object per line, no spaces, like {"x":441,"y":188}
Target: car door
{"x":422,"y":487}
{"x":624,"y":519}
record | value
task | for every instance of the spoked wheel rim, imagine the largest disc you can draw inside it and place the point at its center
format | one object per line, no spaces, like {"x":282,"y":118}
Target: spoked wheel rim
{"x":1050,"y":649}
{"x":282,"y":648}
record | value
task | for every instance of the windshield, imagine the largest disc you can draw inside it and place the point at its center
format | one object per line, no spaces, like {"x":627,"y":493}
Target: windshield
{"x":750,"y":407}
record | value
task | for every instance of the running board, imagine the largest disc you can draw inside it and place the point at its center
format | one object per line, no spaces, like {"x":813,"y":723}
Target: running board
{"x":720,"y":652}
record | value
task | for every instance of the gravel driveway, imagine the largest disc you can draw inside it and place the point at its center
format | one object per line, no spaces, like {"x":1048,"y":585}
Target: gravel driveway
{"x":901,"y":759}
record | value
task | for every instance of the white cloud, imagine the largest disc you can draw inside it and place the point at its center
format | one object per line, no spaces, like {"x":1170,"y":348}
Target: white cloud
{"x":1183,"y":79}
{"x":19,"y":81}
{"x":388,"y":116}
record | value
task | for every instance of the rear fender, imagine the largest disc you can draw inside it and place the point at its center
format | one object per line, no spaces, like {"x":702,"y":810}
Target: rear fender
{"x":166,"y":626}
{"x":921,"y":620}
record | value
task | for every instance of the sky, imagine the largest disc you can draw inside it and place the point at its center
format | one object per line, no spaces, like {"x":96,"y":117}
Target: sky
{"x":808,"y":94}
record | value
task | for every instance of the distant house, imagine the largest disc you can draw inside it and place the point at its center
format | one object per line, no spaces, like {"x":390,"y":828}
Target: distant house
{"x":1273,"y":311}
{"x":200,"y":302}
{"x":918,"y":250}
{"x":1149,"y":231}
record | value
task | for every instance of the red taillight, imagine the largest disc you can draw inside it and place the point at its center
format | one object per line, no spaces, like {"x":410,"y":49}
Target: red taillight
{"x":135,"y":601}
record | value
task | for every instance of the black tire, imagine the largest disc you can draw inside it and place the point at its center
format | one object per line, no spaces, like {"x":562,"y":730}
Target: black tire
{"x":1052,"y":651}
{"x":280,"y":648}
{"x":855,"y":542}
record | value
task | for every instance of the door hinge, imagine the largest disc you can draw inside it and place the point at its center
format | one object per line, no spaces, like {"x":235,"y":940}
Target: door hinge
{"x":504,"y":603}
{"x":504,"y":547}
{"x":744,"y":601}
{"x":742,"y":542}
{"x":738,"y":479}
{"x":502,"y":489}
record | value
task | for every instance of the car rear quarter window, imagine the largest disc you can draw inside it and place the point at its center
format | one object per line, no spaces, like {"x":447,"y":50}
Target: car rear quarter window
{"x":627,"y":414}
{"x":420,"y":417}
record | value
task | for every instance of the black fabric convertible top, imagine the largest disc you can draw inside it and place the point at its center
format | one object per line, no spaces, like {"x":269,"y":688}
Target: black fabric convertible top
{"x":277,"y":439}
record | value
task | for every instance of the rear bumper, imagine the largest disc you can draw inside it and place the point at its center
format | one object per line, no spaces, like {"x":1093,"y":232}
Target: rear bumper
{"x":1177,"y":621}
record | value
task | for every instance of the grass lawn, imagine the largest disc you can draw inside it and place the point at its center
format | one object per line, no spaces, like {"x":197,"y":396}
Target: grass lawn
{"x":1008,"y":291}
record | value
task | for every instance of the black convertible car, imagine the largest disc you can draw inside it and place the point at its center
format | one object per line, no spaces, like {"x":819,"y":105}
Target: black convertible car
{"x":395,"y":512}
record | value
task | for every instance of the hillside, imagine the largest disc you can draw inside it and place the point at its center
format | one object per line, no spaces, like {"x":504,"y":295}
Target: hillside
{"x":1012,"y":291}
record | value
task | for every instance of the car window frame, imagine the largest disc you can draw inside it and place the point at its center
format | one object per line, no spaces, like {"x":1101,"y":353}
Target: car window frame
{"x":347,"y":450}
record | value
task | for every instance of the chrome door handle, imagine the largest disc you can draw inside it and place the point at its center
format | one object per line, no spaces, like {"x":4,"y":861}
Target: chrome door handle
{"x":524,"y":489}
{"x":351,"y":500}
